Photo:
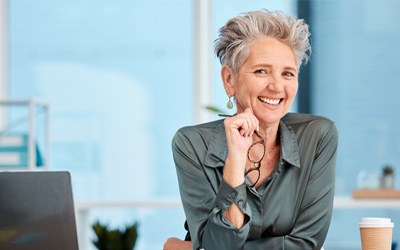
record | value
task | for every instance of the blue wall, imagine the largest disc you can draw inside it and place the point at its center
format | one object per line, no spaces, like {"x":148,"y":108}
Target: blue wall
{"x":355,"y":76}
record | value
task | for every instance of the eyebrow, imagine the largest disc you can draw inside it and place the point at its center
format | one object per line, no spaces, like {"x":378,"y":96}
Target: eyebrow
{"x":270,"y":66}
{"x":291,"y":68}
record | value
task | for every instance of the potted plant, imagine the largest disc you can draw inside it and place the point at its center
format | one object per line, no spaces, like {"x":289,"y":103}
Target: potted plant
{"x":115,"y":239}
{"x":388,"y":177}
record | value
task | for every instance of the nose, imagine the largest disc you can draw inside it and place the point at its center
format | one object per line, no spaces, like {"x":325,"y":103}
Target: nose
{"x":275,"y":83}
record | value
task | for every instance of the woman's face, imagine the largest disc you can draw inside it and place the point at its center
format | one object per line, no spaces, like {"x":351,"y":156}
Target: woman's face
{"x":267,"y":81}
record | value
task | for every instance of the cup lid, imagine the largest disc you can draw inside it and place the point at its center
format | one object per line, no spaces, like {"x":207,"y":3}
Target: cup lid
{"x":376,"y":222}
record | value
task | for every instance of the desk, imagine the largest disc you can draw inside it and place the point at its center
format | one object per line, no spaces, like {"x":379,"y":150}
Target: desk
{"x":83,"y":209}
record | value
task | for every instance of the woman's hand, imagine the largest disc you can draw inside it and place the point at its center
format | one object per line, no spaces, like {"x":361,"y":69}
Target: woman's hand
{"x":177,"y":244}
{"x":239,"y":130}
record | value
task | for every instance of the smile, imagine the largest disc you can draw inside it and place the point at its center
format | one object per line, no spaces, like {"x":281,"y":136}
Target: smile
{"x":269,"y":100}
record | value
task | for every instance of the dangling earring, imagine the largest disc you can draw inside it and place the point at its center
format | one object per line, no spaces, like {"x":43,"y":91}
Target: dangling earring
{"x":229,"y":104}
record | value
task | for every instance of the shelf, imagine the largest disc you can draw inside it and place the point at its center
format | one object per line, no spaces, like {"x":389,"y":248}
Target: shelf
{"x":376,"y":194}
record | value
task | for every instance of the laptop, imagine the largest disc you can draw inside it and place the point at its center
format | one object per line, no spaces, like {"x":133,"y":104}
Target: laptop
{"x":37,"y":211}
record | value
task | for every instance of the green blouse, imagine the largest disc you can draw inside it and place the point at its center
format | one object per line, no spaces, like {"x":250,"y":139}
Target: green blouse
{"x":292,"y":209}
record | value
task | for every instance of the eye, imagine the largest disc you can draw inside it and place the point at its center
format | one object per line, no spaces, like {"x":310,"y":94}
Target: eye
{"x":288,"y":74}
{"x":261,"y":71}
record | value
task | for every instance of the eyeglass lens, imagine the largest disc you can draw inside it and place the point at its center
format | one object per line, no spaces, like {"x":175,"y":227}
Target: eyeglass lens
{"x":252,"y":177}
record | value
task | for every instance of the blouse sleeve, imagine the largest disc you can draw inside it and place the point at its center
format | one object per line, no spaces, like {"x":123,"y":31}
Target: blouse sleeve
{"x":204,"y":207}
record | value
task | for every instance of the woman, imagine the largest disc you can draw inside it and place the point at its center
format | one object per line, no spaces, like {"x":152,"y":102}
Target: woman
{"x":263,"y":178}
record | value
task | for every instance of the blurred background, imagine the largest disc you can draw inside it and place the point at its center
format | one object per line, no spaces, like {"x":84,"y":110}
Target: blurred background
{"x":120,"y":77}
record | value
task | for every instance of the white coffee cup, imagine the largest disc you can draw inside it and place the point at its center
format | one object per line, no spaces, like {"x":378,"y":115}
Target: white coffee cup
{"x":376,"y":233}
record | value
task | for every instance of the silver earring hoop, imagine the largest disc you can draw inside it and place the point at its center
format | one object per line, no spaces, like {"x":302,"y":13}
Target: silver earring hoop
{"x":229,"y":104}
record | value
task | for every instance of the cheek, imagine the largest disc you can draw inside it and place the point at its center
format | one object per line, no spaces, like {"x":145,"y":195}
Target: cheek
{"x":292,"y":90}
{"x":243,"y":90}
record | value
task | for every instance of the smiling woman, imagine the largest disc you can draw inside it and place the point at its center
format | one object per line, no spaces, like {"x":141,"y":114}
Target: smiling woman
{"x":288,"y":204}
{"x":266,"y":82}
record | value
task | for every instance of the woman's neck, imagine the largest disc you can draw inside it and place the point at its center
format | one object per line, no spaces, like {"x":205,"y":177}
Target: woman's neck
{"x":270,"y":135}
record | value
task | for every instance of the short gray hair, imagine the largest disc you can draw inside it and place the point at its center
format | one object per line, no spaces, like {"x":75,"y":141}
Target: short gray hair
{"x":235,"y":37}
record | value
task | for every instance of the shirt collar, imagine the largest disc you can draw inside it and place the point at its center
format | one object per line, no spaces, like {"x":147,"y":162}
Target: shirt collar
{"x":217,"y":149}
{"x":289,"y":146}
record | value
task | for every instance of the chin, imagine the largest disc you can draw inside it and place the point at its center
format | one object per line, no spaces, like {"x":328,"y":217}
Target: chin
{"x":269,"y":118}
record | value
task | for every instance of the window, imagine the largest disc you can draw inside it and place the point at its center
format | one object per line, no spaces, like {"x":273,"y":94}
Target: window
{"x":118,"y":78}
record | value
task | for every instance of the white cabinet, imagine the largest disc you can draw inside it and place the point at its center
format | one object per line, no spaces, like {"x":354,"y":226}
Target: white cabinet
{"x":24,"y":135}
{"x":341,"y":202}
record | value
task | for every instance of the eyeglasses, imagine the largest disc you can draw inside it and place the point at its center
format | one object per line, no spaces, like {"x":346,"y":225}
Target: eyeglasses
{"x":252,"y":175}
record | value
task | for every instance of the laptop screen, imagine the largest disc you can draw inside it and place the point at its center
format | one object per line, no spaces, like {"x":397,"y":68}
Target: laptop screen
{"x":37,"y":211}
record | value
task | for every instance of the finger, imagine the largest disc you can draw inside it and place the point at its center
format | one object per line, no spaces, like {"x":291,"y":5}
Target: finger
{"x":243,"y":126}
{"x":234,"y":123}
{"x":251,"y":120}
{"x":255,"y":124}
{"x":248,"y":111}
{"x":254,"y":121}
{"x":251,"y":123}
{"x":243,"y":122}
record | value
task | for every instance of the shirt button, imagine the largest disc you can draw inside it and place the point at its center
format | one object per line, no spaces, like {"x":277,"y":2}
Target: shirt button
{"x":240,"y":203}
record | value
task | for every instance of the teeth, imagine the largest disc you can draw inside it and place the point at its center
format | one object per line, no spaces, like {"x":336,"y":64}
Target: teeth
{"x":269,"y":101}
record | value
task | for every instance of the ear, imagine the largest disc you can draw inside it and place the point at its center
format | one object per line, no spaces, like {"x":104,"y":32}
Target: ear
{"x":228,"y":80}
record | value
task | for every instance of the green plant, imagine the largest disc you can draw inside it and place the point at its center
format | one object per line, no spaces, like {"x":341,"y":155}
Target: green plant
{"x":214,"y":109}
{"x":388,"y":170}
{"x":115,"y":239}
